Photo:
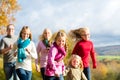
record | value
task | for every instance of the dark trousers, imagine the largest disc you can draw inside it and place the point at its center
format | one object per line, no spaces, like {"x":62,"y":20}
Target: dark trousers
{"x":54,"y":78}
{"x":87,"y":72}
{"x":43,"y":73}
{"x":24,"y":74}
{"x":9,"y":70}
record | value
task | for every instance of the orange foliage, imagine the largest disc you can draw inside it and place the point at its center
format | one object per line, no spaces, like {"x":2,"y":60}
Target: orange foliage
{"x":7,"y":10}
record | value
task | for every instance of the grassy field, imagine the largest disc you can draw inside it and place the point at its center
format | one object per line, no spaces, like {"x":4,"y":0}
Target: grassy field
{"x":104,"y":71}
{"x":108,"y":57}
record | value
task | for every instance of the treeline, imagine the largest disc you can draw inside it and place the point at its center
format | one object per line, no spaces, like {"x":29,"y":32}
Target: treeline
{"x":107,"y":69}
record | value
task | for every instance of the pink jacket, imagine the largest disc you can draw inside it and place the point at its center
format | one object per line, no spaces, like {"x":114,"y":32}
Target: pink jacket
{"x":43,"y":52}
{"x":55,"y":64}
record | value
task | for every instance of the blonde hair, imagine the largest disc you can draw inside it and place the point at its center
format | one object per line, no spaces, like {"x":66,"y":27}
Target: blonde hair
{"x":83,"y":30}
{"x":23,"y":30}
{"x":41,"y":37}
{"x":62,"y":33}
{"x":74,"y":56}
{"x":76,"y":34}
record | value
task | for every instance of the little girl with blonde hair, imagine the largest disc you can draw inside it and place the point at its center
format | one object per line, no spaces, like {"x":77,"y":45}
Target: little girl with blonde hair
{"x":74,"y":70}
{"x":55,"y":64}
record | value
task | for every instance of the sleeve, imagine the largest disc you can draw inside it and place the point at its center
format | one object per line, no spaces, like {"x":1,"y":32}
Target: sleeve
{"x":67,"y":69}
{"x":33,"y":51}
{"x":1,"y":45}
{"x":83,"y":77}
{"x":38,"y":48}
{"x":93,"y":56}
{"x":51,"y":57}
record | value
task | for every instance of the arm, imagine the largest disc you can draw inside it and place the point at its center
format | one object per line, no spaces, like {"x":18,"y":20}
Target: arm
{"x":67,"y":69}
{"x":3,"y":49}
{"x":33,"y":51}
{"x":37,"y":60}
{"x":51,"y":57}
{"x":6,"y":50}
{"x":83,"y":77}
{"x":93,"y":56}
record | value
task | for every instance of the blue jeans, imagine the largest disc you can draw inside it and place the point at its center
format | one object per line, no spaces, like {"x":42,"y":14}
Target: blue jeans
{"x":9,"y":70}
{"x":24,"y":74}
{"x":54,"y":78}
{"x":87,"y":72}
{"x":43,"y":73}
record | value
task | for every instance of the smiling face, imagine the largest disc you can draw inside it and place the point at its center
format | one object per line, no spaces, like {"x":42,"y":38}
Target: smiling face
{"x":75,"y":62}
{"x":61,"y":41}
{"x":10,"y":30}
{"x":47,"y":34}
{"x":25,"y":33}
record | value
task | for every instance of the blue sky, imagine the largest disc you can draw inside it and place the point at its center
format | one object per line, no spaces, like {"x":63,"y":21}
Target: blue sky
{"x":101,"y":16}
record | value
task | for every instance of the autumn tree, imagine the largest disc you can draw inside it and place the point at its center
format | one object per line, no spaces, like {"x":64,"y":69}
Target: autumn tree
{"x":7,"y":10}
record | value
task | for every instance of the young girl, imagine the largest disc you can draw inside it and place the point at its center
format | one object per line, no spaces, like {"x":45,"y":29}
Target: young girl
{"x":26,"y":50}
{"x":74,"y":70}
{"x":55,"y":65}
{"x":43,"y":50}
{"x":84,"y":48}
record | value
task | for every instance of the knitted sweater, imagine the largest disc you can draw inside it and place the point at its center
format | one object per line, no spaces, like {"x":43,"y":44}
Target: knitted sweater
{"x":85,"y":49}
{"x":43,"y":54}
{"x":27,"y":63}
{"x":74,"y":73}
{"x":4,"y":43}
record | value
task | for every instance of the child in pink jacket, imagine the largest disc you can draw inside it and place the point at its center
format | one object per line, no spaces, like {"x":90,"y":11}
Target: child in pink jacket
{"x":55,"y":65}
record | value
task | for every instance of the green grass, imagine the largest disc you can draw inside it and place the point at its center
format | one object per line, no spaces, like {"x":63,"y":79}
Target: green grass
{"x":108,"y":57}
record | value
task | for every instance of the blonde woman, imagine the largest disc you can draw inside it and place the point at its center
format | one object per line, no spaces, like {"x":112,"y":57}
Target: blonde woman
{"x":26,"y":50}
{"x":43,"y":51}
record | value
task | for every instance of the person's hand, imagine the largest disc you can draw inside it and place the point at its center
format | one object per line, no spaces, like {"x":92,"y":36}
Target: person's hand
{"x":57,"y":75}
{"x":15,"y":54}
{"x":94,"y":66}
{"x":27,"y":50}
{"x":11,"y":46}
{"x":37,"y":68}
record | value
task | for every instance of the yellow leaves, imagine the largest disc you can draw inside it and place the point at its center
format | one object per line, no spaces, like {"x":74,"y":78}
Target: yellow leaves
{"x":7,"y":10}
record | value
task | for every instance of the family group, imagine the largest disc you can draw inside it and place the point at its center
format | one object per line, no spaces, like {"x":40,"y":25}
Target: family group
{"x":19,"y":51}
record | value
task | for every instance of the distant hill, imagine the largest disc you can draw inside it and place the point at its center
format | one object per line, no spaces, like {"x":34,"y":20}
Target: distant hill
{"x":108,"y":50}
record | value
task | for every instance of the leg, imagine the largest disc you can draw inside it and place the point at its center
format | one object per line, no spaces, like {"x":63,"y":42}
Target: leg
{"x":50,"y":78}
{"x":87,"y":73}
{"x":60,"y":78}
{"x":15,"y":77}
{"x":43,"y":73}
{"x":21,"y":74}
{"x":29,"y":75}
{"x":8,"y":70}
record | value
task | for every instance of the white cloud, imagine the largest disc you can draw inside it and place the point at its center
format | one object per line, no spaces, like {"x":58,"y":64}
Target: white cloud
{"x":101,"y":16}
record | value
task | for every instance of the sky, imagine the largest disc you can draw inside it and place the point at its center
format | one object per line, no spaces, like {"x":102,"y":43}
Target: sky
{"x":101,"y":16}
